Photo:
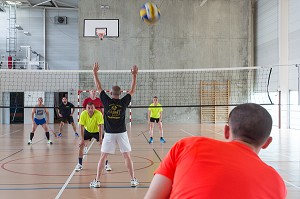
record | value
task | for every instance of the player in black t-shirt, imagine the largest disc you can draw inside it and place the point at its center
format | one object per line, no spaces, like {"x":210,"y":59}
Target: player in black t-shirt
{"x":114,"y":125}
{"x":65,"y":112}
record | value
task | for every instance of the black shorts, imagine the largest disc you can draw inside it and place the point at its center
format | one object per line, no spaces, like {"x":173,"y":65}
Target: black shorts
{"x":89,"y":136}
{"x":68,"y":119}
{"x":154,"y":119}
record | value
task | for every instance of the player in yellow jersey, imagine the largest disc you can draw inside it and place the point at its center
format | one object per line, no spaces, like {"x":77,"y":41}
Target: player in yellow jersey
{"x":155,"y":115}
{"x":91,"y":121}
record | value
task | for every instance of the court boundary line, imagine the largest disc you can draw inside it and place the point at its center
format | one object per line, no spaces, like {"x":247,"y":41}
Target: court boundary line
{"x":143,"y":133}
{"x":9,"y":133}
{"x":11,"y":155}
{"x":291,"y":184}
{"x":187,"y":132}
{"x":73,"y":187}
{"x":71,"y":175}
{"x":157,"y":155}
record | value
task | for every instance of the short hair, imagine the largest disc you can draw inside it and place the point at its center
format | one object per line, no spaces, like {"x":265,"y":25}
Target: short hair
{"x":90,"y":103}
{"x":250,"y":123}
{"x":155,"y":97}
{"x":115,"y":90}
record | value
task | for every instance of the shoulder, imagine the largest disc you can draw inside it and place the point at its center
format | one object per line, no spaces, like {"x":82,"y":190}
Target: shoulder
{"x":126,"y":99}
{"x":191,"y":141}
{"x":127,"y":96}
{"x":103,"y":94}
{"x":86,"y":99}
{"x":149,"y":108}
{"x":160,"y":107}
{"x":98,"y":114}
{"x":104,"y":98}
{"x":98,"y":99}
{"x":189,"y":145}
{"x":83,"y":113}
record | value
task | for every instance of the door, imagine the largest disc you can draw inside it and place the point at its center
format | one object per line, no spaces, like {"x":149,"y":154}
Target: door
{"x":16,"y":107}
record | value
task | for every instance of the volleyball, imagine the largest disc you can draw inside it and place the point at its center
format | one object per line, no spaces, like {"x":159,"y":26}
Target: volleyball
{"x":150,"y":13}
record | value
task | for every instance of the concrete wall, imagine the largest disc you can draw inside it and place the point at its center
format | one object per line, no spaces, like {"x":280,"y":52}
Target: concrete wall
{"x":187,"y":35}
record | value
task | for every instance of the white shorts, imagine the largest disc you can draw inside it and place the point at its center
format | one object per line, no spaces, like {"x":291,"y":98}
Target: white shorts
{"x":111,"y":140}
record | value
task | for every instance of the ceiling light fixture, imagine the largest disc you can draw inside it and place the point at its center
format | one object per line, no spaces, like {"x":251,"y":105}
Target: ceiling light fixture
{"x":14,"y":2}
{"x":27,"y":33}
{"x":18,"y":27}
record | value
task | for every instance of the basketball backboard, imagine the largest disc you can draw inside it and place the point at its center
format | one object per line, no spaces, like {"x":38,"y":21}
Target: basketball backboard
{"x":91,"y":27}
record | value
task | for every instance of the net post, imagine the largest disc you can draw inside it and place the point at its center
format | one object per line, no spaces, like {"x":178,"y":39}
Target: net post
{"x":298,"y":67}
{"x":78,"y":105}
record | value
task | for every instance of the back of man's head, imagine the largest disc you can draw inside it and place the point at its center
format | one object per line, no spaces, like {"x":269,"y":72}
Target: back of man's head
{"x":115,"y":91}
{"x":250,"y":123}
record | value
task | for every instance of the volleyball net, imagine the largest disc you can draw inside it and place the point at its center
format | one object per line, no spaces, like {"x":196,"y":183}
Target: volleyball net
{"x":189,"y":88}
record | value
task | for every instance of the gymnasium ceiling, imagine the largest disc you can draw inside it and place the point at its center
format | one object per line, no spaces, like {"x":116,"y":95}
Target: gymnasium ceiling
{"x":53,"y":4}
{"x":50,"y":4}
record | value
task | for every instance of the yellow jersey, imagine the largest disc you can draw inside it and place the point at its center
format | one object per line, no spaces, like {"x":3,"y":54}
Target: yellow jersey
{"x":155,"y":112}
{"x":91,"y":123}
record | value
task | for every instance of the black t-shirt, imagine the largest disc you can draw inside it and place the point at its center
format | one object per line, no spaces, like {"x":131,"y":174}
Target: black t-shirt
{"x":114,"y":113}
{"x":65,"y":110}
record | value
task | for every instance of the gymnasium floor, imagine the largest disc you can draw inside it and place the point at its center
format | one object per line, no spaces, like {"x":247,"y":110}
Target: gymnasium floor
{"x":47,"y":171}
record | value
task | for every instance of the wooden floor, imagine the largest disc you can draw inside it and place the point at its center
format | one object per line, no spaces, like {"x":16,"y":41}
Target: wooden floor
{"x":47,"y":171}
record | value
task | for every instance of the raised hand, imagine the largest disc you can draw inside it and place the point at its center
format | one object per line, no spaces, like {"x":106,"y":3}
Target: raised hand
{"x":134,"y":70}
{"x":96,"y":67}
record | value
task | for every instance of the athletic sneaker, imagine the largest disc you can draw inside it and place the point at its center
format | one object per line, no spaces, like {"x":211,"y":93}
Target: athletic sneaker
{"x":85,"y":150}
{"x":49,"y":142}
{"x":134,"y":182}
{"x":151,"y":140}
{"x":59,"y":135}
{"x":29,"y":142}
{"x":78,"y":167}
{"x":162,"y":140}
{"x":108,"y":167}
{"x":95,"y":184}
{"x":76,"y":134}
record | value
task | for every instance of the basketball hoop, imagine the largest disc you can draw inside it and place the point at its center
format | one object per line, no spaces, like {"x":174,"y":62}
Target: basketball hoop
{"x":101,"y":33}
{"x":101,"y":36}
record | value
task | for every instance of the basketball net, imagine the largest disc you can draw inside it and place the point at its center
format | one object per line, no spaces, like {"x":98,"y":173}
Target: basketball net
{"x":101,"y":35}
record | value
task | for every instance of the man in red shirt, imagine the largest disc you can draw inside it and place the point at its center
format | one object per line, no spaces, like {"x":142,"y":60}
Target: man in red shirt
{"x":206,"y":168}
{"x":95,"y":100}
